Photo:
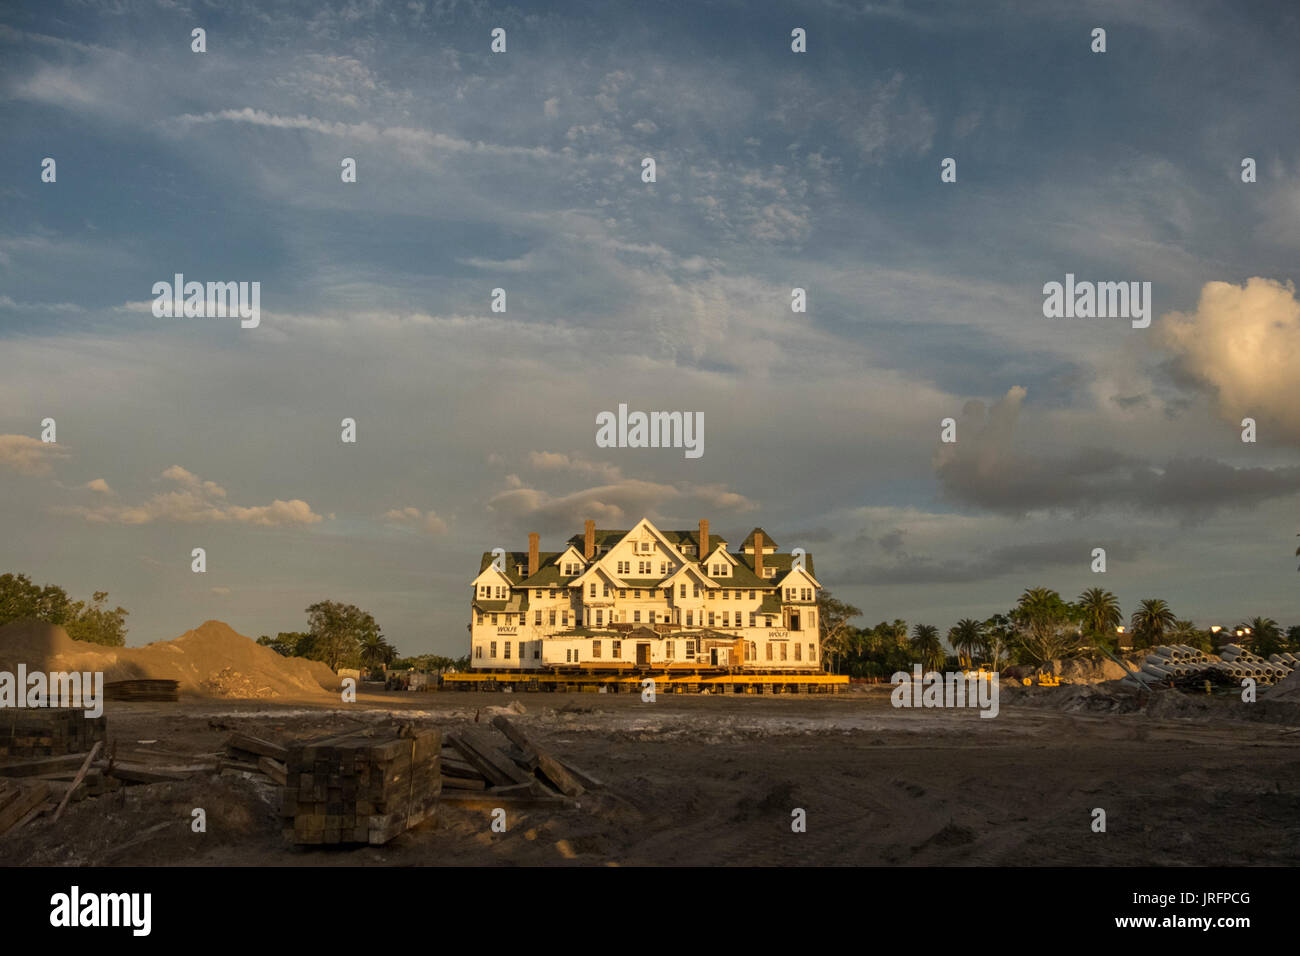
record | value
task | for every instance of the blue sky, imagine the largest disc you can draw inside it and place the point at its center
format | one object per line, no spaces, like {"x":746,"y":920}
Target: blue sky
{"x":522,"y":171}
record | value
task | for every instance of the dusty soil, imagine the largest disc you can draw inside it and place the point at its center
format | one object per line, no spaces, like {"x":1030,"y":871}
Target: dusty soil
{"x":699,"y":780}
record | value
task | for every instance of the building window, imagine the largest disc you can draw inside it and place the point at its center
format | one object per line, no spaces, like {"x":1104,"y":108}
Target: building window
{"x":537,"y":618}
{"x":595,"y":648}
{"x":697,"y":590}
{"x":551,"y":593}
{"x":481,"y":617}
{"x":494,"y":620}
{"x":478,"y":651}
{"x":600,"y":617}
{"x":726,"y":618}
{"x":645,"y":546}
{"x":726,"y":595}
{"x":711,"y":618}
{"x":767,"y":620}
{"x":539,"y":592}
{"x":812,"y":653}
{"x":606,"y":590}
{"x":552,"y":617}
{"x":537,"y":649}
{"x":668,"y":649}
{"x":652,"y":617}
{"x":492,"y":649}
{"x":798,"y":652}
{"x":807,"y":594}
{"x":690,"y":619}
{"x":753,"y":595}
{"x":663,"y":568}
{"x":622,"y":592}
{"x":564,"y":618}
{"x":753,"y":619}
{"x":636,"y":616}
{"x":682,"y":591}
{"x":507,"y":649}
{"x":636,"y":592}
{"x":690,"y":650}
{"x":616,"y":649}
{"x":624,"y":567}
{"x":593,"y":588}
{"x":751,"y":651}
{"x":769,"y":652}
{"x":785,"y":652}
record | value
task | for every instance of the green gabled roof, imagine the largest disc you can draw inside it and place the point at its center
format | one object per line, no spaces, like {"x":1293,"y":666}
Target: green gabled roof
{"x":517,"y":603}
{"x":782,"y":563}
{"x":771,"y":604}
{"x":767,"y":540}
{"x":516,"y":558}
{"x":606,"y":539}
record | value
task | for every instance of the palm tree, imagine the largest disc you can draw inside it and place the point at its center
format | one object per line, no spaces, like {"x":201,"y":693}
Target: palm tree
{"x":1150,"y":621}
{"x":926,"y":646}
{"x":1266,"y":635}
{"x":1101,"y":613}
{"x":375,"y":651}
{"x":966,"y":637}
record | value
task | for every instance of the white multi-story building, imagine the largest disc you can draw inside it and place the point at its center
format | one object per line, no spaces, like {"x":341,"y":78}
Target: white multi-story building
{"x":645,"y":598}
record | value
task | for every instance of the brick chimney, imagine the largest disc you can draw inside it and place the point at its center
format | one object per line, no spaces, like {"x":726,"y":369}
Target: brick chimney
{"x":589,"y":545}
{"x":758,"y":553}
{"x":704,"y":538}
{"x":533,"y":541}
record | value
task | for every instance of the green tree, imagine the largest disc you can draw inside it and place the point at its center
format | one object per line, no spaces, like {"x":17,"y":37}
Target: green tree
{"x":926,"y":646}
{"x":375,"y":651}
{"x":998,"y":635}
{"x":1101,"y":614}
{"x":1046,"y":627}
{"x":1266,"y":635}
{"x":290,"y":644}
{"x":96,"y":624}
{"x":967,"y":639}
{"x":833,"y":618}
{"x":338,"y":632}
{"x":21,"y":600}
{"x":1150,"y":621}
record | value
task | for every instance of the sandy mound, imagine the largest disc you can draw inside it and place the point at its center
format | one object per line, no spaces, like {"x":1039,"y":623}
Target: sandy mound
{"x":212,"y":660}
{"x":1287,"y":690}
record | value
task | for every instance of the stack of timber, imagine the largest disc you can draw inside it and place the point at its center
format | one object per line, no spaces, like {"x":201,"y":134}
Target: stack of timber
{"x":359,"y":788}
{"x":48,"y":732}
{"x":248,"y":756}
{"x":155,"y":690}
{"x":482,"y":770}
{"x":22,"y":801}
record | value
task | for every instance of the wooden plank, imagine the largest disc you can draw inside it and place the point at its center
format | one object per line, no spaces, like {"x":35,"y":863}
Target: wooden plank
{"x":76,"y":781}
{"x":548,"y":765}
{"x":478,"y":749}
{"x":586,"y":779}
{"x":255,"y":745}
{"x":137,"y":774}
{"x":463,"y":783}
{"x":274,"y":769}
{"x":39,"y":765}
{"x":29,"y":796}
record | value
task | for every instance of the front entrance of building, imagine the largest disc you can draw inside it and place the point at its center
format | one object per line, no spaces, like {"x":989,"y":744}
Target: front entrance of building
{"x":643,"y":655}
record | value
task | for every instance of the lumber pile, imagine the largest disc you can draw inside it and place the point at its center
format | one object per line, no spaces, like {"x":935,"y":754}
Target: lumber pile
{"x":21,"y":801}
{"x":47,"y":732}
{"x":359,"y":788}
{"x":481,"y":769}
{"x":155,"y":690}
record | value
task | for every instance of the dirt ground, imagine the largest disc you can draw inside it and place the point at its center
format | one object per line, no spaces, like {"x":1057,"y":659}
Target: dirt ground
{"x":700,"y":780}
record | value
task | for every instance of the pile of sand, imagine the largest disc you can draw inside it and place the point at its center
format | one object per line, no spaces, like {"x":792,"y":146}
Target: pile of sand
{"x":211,"y":661}
{"x":1286,"y":690}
